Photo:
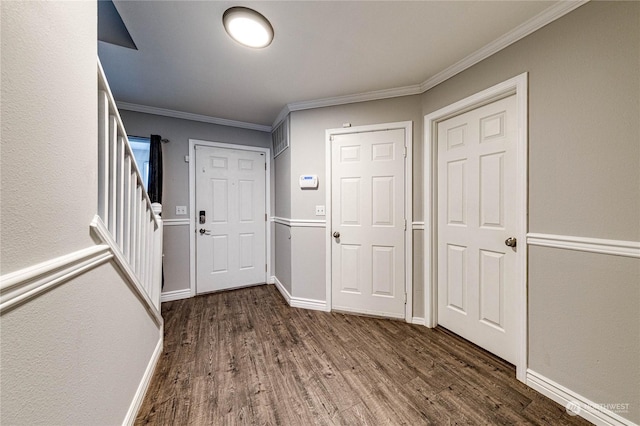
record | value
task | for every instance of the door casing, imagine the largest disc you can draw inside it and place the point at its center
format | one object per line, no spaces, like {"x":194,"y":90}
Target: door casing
{"x":192,"y":203}
{"x":408,"y":196}
{"x":515,"y":86}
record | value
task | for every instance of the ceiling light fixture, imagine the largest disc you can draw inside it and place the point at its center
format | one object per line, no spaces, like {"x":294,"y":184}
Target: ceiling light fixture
{"x":248,"y":27}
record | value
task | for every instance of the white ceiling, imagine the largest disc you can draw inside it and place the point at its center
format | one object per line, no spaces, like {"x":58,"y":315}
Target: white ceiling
{"x":322,"y":49}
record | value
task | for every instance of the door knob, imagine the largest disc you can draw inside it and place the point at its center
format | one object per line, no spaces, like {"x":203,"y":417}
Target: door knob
{"x":204,"y":231}
{"x":511,"y":242}
{"x":336,"y":234}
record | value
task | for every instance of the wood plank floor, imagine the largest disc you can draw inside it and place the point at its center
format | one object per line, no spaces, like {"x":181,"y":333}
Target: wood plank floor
{"x":245,"y":357}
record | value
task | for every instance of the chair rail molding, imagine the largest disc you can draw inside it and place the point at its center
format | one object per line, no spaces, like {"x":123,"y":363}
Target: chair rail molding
{"x":591,"y":245}
{"x":20,"y":286}
{"x":300,"y":223}
{"x":175,"y":222}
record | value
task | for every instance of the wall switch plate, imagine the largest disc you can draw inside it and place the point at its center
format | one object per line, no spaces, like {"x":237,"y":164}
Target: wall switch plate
{"x":319,"y":210}
{"x":181,"y":210}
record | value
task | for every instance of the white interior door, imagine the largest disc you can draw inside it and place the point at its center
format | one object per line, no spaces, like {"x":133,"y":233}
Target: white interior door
{"x":368,"y":223}
{"x":230,"y":218}
{"x":476,"y":215}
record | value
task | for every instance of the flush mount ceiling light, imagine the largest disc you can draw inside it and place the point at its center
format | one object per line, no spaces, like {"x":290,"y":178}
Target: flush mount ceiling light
{"x":247,"y":27}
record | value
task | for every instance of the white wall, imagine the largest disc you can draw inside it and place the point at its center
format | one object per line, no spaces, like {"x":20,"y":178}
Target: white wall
{"x":77,"y":353}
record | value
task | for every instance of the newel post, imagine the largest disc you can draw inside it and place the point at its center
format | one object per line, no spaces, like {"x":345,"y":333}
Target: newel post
{"x":157,"y":255}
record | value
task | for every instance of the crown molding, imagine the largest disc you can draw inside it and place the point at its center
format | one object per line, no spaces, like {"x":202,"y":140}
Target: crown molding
{"x":348,"y":99}
{"x":556,"y":11}
{"x":545,"y":17}
{"x":193,"y":117}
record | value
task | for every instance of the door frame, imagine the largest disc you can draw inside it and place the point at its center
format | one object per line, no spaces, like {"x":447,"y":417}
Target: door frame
{"x":515,"y":86}
{"x":192,"y":203}
{"x":407,"y":126}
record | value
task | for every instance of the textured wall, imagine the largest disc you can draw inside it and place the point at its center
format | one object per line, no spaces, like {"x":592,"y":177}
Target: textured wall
{"x":77,"y":353}
{"x":49,"y":120}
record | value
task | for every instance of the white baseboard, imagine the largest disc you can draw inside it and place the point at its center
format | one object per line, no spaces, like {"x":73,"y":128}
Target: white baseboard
{"x":299,"y":302}
{"x":589,"y":410}
{"x":417,"y":320}
{"x":314,"y":305}
{"x":144,"y":383}
{"x":283,"y":291}
{"x":169,"y":296}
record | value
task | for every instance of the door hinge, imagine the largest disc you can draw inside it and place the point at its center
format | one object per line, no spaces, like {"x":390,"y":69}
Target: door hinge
{"x":405,"y":298}
{"x":265,"y":217}
{"x":265,"y":267}
{"x":405,"y":224}
{"x":331,"y":138}
{"x":405,"y":152}
{"x":265,"y":166}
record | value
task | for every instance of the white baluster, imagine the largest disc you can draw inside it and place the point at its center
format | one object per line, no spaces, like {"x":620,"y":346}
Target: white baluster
{"x":158,"y":237}
{"x":120,"y":193}
{"x":126,"y":220}
{"x":103,"y":155}
{"x":134,"y":223}
{"x":113,"y":154}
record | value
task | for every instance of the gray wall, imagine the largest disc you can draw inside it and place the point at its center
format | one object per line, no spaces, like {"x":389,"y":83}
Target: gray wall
{"x":584,"y":180}
{"x":76,"y":353}
{"x":282,"y":247}
{"x":178,"y":132}
{"x":176,"y":177}
{"x":308,"y":152}
{"x":583,"y":118}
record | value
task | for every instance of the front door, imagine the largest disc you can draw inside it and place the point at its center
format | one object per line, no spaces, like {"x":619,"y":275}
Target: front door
{"x":230,"y":218}
{"x":476,"y":218}
{"x":368,"y":222}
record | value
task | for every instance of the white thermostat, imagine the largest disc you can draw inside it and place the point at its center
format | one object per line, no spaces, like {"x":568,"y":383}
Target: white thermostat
{"x":309,"y":181}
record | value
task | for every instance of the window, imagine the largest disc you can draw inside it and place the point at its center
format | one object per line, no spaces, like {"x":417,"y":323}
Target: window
{"x":140,"y":147}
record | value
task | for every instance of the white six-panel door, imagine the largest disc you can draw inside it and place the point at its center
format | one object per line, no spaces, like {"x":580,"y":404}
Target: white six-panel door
{"x":368,"y":214}
{"x":476,"y":214}
{"x":230,"y":244}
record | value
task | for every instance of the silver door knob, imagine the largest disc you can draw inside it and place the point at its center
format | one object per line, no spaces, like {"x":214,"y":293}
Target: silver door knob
{"x":511,"y":242}
{"x":336,"y":234}
{"x":204,"y":231}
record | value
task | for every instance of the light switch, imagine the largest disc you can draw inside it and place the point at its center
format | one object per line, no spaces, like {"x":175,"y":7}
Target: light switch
{"x":319,"y":210}
{"x":181,"y":210}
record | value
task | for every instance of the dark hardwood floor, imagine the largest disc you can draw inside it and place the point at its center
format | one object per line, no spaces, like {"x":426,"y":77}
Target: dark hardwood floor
{"x":245,"y":357}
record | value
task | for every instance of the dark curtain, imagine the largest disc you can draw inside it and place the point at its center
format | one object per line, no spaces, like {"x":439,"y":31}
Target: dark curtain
{"x":155,"y":169}
{"x":155,"y":176}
